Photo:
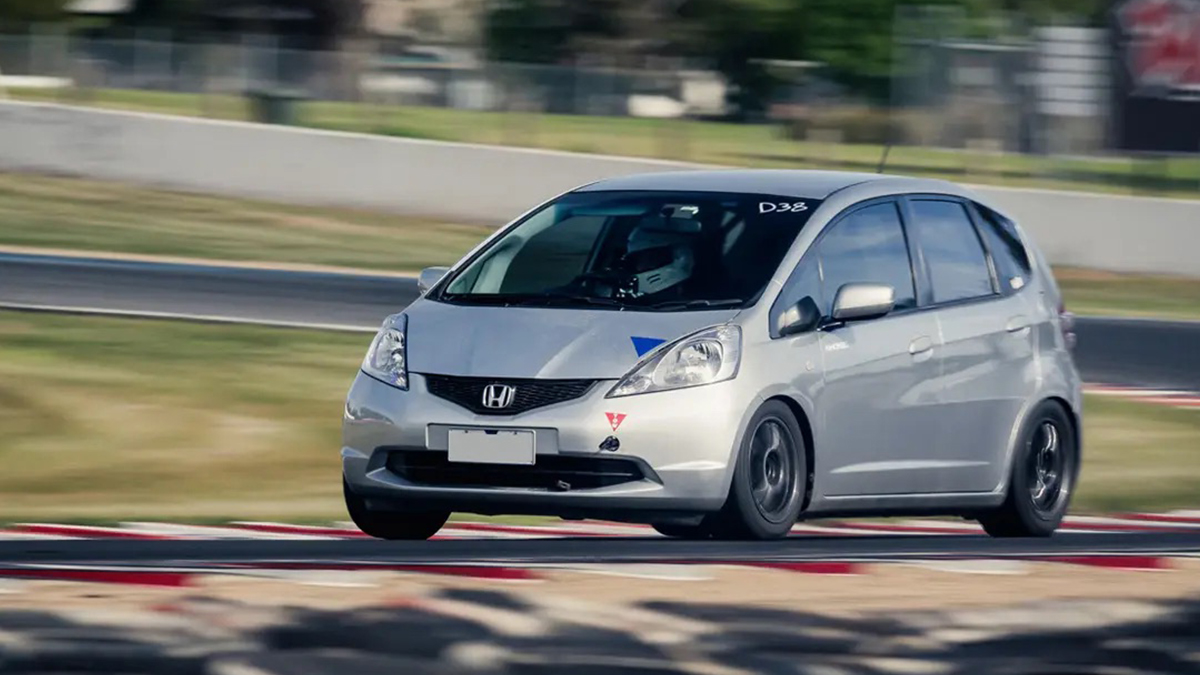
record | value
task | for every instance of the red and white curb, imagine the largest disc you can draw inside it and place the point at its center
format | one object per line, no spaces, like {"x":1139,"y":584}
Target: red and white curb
{"x":366,"y":574}
{"x":371,"y":575}
{"x":1170,"y":397}
{"x":151,"y":531}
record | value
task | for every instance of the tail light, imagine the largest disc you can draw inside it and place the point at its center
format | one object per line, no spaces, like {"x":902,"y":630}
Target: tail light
{"x":1066,"y":323}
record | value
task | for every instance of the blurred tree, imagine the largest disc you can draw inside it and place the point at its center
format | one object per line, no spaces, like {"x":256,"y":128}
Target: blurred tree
{"x":305,"y":24}
{"x":1039,"y":11}
{"x":180,"y":15}
{"x":17,"y":14}
{"x":853,"y":38}
{"x":556,"y":31}
{"x":738,"y":36}
{"x":526,"y":31}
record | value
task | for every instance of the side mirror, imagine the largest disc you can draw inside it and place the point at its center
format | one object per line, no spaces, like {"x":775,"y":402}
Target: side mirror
{"x":802,"y":317}
{"x":858,"y":302}
{"x":430,"y":276}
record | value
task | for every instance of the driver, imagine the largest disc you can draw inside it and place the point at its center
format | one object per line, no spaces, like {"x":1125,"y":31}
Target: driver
{"x":658,"y":256}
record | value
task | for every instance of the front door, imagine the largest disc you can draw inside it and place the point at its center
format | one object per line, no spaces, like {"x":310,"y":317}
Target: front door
{"x":878,"y":408}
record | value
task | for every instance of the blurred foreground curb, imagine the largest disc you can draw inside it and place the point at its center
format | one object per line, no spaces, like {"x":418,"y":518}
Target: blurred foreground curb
{"x":473,"y":631}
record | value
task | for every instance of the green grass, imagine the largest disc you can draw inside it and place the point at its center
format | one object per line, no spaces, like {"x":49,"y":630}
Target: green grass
{"x":46,"y":212}
{"x":112,"y":419}
{"x":106,"y":420}
{"x":1104,"y":293}
{"x":43,"y":212}
{"x":756,"y":145}
{"x":1138,"y":456}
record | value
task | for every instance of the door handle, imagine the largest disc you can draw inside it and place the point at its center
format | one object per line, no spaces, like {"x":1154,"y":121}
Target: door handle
{"x":1016,"y":324}
{"x":920,"y":345}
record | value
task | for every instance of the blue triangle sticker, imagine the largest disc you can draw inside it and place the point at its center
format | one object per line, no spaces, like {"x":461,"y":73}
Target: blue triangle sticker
{"x":644,"y":344}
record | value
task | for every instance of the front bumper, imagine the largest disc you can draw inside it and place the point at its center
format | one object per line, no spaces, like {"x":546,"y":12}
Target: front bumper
{"x":684,"y":440}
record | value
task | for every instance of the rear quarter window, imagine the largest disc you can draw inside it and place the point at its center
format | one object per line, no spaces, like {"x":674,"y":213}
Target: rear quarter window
{"x":1008,"y":251}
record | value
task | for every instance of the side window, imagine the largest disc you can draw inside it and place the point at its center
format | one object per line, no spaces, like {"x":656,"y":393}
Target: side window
{"x":867,"y":246}
{"x":805,"y":282}
{"x":954,"y":256}
{"x":1012,"y":261}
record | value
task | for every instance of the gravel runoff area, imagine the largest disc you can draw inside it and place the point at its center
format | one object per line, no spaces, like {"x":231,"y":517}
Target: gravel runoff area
{"x":959,"y":617}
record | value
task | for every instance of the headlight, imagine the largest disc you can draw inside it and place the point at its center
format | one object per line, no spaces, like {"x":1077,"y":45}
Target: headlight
{"x":711,"y":355}
{"x":387,"y":359}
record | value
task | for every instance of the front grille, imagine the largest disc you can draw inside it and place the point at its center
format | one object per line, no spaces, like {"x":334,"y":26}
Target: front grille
{"x":468,"y":392}
{"x":551,"y":472}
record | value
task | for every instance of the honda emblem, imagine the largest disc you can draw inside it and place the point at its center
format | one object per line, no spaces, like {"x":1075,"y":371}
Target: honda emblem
{"x":498,"y":395}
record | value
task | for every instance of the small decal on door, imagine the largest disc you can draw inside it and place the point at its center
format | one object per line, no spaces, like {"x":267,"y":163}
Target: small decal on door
{"x":615,"y":419}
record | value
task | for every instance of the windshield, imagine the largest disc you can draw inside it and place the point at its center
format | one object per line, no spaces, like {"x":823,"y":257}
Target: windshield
{"x":640,"y":250}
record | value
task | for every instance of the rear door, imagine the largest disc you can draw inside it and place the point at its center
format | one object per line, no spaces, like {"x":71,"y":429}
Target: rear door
{"x":985,"y":364}
{"x":878,"y":407}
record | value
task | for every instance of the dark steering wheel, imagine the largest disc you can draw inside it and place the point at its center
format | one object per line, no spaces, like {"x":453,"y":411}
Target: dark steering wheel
{"x":601,"y":284}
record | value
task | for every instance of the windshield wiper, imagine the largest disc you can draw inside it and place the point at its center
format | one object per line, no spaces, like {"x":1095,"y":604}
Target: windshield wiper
{"x":694,"y":304}
{"x":530,"y":299}
{"x":586,"y":299}
{"x":490,"y":298}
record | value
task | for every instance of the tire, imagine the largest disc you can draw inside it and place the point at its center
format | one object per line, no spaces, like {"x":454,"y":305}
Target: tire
{"x":392,"y":525}
{"x":698,"y":531}
{"x":1044,"y":470}
{"x":769,"y":480}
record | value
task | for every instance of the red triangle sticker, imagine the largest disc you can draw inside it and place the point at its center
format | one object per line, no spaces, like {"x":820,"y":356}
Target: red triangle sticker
{"x":615,"y":419}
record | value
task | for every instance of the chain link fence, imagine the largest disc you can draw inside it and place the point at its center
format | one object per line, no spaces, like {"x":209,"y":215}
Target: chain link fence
{"x":153,"y":63}
{"x":992,"y":100}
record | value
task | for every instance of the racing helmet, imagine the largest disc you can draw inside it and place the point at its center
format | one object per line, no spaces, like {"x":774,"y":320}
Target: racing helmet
{"x":659,"y":254}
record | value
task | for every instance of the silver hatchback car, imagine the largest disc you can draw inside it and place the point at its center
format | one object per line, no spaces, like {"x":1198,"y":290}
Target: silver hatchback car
{"x":722,"y":353}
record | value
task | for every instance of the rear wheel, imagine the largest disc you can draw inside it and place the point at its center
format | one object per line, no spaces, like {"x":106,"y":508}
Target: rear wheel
{"x":769,"y":479}
{"x":1044,"y":468}
{"x":394,"y":525}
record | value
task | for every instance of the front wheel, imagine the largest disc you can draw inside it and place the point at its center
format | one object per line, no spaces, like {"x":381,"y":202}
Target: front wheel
{"x":769,"y":480}
{"x":393,"y":525}
{"x":1044,"y":468}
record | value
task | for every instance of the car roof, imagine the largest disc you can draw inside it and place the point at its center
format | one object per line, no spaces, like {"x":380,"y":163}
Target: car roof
{"x":781,"y":182}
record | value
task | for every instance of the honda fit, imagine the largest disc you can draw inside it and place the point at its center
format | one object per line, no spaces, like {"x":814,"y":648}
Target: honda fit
{"x":720,"y":354}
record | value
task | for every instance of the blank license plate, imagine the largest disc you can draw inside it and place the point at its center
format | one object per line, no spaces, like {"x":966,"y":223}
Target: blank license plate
{"x":491,"y":446}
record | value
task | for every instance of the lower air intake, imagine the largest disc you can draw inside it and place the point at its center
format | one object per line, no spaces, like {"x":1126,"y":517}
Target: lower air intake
{"x":551,"y":472}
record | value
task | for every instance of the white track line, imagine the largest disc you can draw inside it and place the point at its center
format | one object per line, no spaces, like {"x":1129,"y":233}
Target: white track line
{"x":6,"y":535}
{"x":1184,"y":520}
{"x":973,"y":566}
{"x":178,"y":531}
{"x":1134,"y":390}
{"x":1083,"y":523}
{"x":184,"y":316}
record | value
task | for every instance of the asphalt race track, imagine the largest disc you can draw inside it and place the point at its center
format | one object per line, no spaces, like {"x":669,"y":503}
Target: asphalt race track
{"x":242,"y":294}
{"x":183,"y":553}
{"x":1157,"y":354}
